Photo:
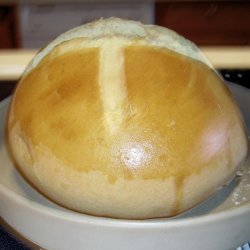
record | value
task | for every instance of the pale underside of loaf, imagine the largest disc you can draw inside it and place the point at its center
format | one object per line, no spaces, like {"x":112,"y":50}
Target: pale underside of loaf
{"x":96,"y":193}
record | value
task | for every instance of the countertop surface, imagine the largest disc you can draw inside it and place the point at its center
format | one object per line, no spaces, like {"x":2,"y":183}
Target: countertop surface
{"x":13,"y":62}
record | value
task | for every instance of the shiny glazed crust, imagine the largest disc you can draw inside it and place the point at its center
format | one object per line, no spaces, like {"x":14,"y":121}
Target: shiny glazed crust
{"x":119,"y":119}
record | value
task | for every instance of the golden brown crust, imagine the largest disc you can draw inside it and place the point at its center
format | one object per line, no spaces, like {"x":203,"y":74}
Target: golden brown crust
{"x":121,"y":116}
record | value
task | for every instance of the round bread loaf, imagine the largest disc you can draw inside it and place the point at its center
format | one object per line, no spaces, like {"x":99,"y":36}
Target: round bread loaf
{"x":120,"y":119}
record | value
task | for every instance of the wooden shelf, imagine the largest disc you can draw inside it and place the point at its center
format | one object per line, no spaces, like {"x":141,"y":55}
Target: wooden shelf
{"x":208,"y":22}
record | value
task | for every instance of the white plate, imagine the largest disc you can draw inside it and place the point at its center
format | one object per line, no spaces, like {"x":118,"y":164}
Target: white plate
{"x":223,"y":222}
